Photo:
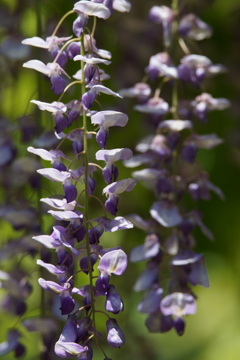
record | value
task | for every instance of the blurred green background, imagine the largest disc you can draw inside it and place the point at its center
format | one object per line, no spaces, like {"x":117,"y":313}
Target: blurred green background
{"x":214,"y":332}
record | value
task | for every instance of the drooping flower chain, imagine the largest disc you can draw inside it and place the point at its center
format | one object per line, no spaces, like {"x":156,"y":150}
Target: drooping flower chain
{"x":172,"y":265}
{"x":77,"y":334}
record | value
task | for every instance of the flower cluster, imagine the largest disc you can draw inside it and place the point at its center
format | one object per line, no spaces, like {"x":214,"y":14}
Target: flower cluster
{"x":172,"y":266}
{"x":76,"y":237}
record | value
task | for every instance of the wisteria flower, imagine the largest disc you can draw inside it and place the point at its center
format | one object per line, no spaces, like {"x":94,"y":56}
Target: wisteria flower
{"x":193,"y":27}
{"x":52,"y":70}
{"x":156,"y":106}
{"x":205,"y":103}
{"x":161,"y":65}
{"x":106,"y":119}
{"x":110,"y":171}
{"x":92,"y":9}
{"x":178,"y":305}
{"x":113,"y":190}
{"x":52,"y":44}
{"x":139,"y":90}
{"x":165,"y":16}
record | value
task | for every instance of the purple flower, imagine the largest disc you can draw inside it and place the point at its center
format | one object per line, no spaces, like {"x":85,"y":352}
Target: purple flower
{"x":166,"y":213}
{"x":66,"y":346}
{"x":156,"y":106}
{"x":102,"y":283}
{"x":52,"y":43}
{"x":115,"y":336}
{"x":113,"y":190}
{"x":11,"y":343}
{"x":178,"y":305}
{"x":205,"y":103}
{"x":106,"y":119}
{"x":139,"y":90}
{"x":147,"y":277}
{"x":199,"y":189}
{"x":110,"y":171}
{"x":118,"y":223}
{"x":92,"y":9}
{"x":165,"y":16}
{"x":150,"y":303}
{"x":67,"y":302}
{"x":161,"y":65}
{"x":52,"y":70}
{"x":194,"y":28}
{"x":113,"y":262}
{"x":157,"y":322}
{"x":149,"y":249}
{"x":114,"y":301}
{"x":194,"y":68}
{"x":79,"y":24}
{"x":193,"y":266}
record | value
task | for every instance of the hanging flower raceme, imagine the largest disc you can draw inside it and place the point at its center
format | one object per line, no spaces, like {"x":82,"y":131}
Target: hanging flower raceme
{"x":76,"y":174}
{"x":168,"y":155}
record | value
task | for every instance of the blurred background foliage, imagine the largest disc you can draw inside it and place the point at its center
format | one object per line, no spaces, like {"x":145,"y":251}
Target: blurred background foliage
{"x":213,"y":333}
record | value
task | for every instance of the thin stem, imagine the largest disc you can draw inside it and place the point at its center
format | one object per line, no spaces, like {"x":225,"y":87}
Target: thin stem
{"x":75,"y":157}
{"x":98,"y":344}
{"x":175,"y":5}
{"x":94,"y":26}
{"x":61,"y":21}
{"x":184,"y":47}
{"x":64,"y":46}
{"x":93,"y":164}
{"x":85,"y":143}
{"x":103,"y":312}
{"x":67,"y":87}
{"x":104,"y":209}
{"x":28,"y":102}
{"x":175,"y":99}
{"x":65,"y":137}
{"x":92,"y":132}
{"x":81,"y":308}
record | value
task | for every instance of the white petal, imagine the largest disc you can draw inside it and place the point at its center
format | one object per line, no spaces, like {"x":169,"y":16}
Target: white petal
{"x":36,"y":41}
{"x":92,"y":9}
{"x":38,"y":66}
{"x":122,"y":5}
{"x":105,"y":90}
{"x":91,"y":60}
{"x":53,"y":107}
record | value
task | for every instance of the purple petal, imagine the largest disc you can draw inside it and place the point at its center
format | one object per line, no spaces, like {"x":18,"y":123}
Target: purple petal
{"x":115,"y":336}
{"x":51,"y":286}
{"x":114,"y":301}
{"x":146,"y":251}
{"x":102,"y":283}
{"x":58,"y":84}
{"x":166,"y":213}
{"x":48,"y":241}
{"x":178,"y":304}
{"x":159,"y":323}
{"x":120,"y":186}
{"x":151,"y":301}
{"x":67,"y":303}
{"x":146,"y":278}
{"x":109,"y":118}
{"x":68,"y":349}
{"x":114,"y":262}
{"x":51,"y":268}
{"x":114,"y":155}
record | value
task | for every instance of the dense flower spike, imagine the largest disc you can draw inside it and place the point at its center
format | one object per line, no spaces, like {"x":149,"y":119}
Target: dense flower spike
{"x":75,"y":174}
{"x":168,"y":245}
